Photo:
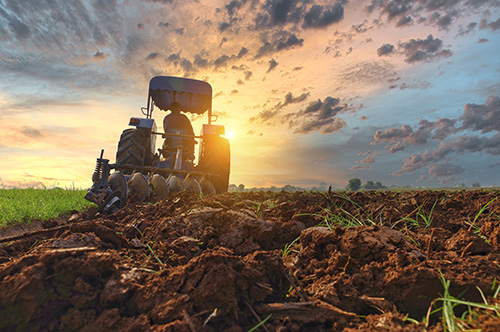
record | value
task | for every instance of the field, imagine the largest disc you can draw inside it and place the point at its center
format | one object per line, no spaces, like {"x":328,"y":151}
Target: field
{"x":26,"y":205}
{"x":261,"y":261}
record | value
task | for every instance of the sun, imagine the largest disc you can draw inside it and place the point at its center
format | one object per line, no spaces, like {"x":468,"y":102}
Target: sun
{"x":230,"y":134}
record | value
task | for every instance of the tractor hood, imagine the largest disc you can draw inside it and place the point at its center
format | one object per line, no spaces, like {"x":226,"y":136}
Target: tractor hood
{"x":192,"y":95}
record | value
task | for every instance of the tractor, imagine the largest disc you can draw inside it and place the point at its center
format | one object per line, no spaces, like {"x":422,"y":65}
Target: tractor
{"x":143,"y":169}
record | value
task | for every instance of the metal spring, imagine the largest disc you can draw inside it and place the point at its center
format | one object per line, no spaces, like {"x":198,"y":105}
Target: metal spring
{"x":98,"y":170}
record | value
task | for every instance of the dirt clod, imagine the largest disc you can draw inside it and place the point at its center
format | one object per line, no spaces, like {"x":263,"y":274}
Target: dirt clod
{"x":365,"y":261}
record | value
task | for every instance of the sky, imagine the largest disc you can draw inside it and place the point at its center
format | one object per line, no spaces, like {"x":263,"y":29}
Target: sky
{"x":404,"y":92}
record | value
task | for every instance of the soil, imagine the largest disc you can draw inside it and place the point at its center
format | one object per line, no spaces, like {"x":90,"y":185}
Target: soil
{"x":363,"y":261}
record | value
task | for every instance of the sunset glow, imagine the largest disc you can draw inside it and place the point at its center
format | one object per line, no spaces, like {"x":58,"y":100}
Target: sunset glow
{"x":401,"y":92}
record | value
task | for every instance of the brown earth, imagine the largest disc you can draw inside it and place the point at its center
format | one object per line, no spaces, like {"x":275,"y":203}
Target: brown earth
{"x":226,"y":262}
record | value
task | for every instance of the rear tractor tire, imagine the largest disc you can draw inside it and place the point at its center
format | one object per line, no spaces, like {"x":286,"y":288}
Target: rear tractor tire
{"x":216,"y":159}
{"x":134,"y":148}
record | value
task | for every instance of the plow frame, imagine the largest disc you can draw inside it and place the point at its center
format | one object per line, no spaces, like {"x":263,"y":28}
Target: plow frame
{"x":101,"y":193}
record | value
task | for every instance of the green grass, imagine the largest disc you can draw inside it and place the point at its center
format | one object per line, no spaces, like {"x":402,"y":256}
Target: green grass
{"x":26,"y":205}
{"x":421,"y":220}
{"x":466,"y":322}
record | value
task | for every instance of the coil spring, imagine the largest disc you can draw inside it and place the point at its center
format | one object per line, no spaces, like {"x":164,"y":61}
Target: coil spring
{"x":98,"y":170}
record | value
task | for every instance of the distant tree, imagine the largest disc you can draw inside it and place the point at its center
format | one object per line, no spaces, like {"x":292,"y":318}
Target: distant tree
{"x":378,"y":185}
{"x":232,"y":187}
{"x":369,"y":185}
{"x":241,"y":187}
{"x":354,"y":184}
{"x":476,"y":185}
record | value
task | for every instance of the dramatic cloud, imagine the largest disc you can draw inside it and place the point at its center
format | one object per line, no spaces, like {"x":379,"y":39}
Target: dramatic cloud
{"x":427,"y":130}
{"x":439,"y":13}
{"x":200,"y":61}
{"x":275,"y":66}
{"x":280,"y":41}
{"x":428,"y":49}
{"x":320,"y":17}
{"x":279,"y":13}
{"x":484,"y":118}
{"x":319,"y":116}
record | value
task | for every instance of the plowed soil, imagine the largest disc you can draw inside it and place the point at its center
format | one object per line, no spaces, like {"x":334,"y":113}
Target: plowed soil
{"x":364,"y":261}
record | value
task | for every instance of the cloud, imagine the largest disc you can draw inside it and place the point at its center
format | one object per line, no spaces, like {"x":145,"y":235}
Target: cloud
{"x":493,"y":26}
{"x":444,"y":169}
{"x":484,"y":117}
{"x":60,"y":75}
{"x":320,"y":17}
{"x":439,"y":13}
{"x":469,"y":28}
{"x":441,"y":21}
{"x":417,"y":50}
{"x":20,"y":30}
{"x":385,"y":49}
{"x":279,"y":13}
{"x":290,"y":42}
{"x":100,"y":56}
{"x":31,"y":132}
{"x":265,"y":116}
{"x":271,"y":114}
{"x":272,"y":64}
{"x":438,"y":130}
{"x":248,"y":75}
{"x":280,"y":41}
{"x":417,"y":85}
{"x":366,"y":160}
{"x":152,"y":56}
{"x":368,"y":73}
{"x":360,"y":167}
{"x":461,"y":144}
{"x":164,"y":2}
{"x":393,"y":134}
{"x":319,"y":116}
{"x":233,"y":7}
{"x":404,"y":21}
{"x":201,"y":61}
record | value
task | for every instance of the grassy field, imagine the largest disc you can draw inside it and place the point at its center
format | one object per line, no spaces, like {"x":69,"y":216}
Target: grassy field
{"x":26,"y":205}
